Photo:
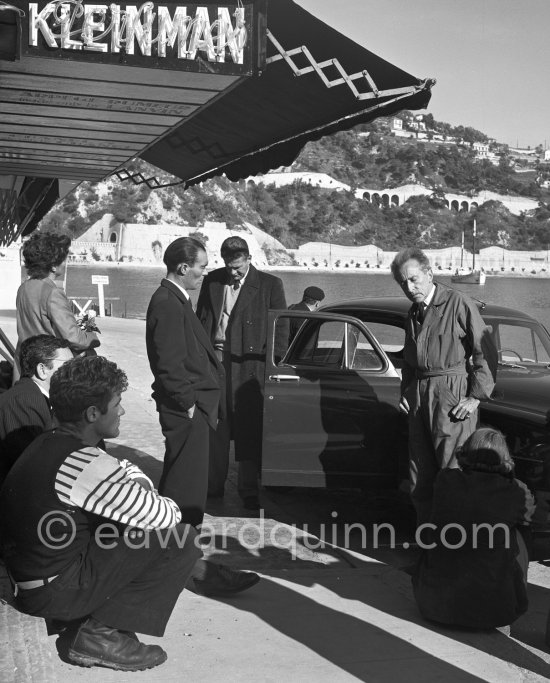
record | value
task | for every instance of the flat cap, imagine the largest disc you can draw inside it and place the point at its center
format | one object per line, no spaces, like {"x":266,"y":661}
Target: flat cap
{"x":315,"y":293}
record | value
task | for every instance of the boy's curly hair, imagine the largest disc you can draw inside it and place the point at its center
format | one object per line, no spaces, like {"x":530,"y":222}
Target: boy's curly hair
{"x":83,"y":382}
{"x":43,"y":251}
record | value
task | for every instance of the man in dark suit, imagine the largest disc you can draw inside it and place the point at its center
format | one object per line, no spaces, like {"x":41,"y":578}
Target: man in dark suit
{"x":311,"y":299}
{"x":186,"y":390}
{"x":233,"y":307}
{"x":25,"y":408}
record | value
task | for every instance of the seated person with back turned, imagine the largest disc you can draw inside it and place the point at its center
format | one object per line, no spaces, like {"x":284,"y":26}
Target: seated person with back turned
{"x":475,"y":573}
{"x":25,"y":410}
{"x":70,"y":515}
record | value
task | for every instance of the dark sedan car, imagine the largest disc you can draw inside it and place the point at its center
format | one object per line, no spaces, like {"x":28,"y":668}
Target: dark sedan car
{"x":331,"y":404}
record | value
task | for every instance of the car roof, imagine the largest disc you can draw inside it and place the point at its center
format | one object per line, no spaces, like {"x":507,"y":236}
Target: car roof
{"x":398,"y":305}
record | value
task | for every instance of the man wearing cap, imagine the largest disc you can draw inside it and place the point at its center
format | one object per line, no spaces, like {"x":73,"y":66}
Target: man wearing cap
{"x":311,"y":300}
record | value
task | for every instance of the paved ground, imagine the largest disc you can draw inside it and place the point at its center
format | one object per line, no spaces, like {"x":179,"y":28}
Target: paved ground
{"x":330,"y":613}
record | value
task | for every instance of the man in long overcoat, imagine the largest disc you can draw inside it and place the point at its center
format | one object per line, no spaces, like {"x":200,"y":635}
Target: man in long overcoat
{"x":233,"y":307}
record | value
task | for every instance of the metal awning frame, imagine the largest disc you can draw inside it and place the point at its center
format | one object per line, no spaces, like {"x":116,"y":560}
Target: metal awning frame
{"x":390,"y":97}
{"x":348,"y":79}
{"x":152,"y":182}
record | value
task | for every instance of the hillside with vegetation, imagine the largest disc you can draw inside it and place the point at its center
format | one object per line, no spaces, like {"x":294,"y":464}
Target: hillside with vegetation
{"x":370,"y":156}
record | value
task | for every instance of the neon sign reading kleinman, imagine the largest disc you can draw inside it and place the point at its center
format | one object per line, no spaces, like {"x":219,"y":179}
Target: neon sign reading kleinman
{"x":161,"y":31}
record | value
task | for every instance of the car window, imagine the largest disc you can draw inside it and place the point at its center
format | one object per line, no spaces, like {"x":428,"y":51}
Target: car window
{"x":520,"y":343}
{"x":324,"y":344}
{"x":390,"y":337}
{"x":361,"y":355}
{"x":335,"y":344}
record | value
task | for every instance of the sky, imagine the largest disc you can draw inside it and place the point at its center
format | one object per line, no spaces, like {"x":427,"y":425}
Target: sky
{"x":491,"y":58}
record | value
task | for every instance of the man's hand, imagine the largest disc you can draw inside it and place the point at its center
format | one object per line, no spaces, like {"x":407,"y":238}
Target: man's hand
{"x":464,"y":408}
{"x":404,"y":405}
{"x":191,"y":410}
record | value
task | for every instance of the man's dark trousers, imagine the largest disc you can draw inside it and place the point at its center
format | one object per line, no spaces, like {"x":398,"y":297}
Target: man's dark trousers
{"x":185,"y":473}
{"x":122,"y":583}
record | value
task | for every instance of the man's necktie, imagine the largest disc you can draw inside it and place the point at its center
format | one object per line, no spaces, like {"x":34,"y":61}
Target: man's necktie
{"x":418,"y":319}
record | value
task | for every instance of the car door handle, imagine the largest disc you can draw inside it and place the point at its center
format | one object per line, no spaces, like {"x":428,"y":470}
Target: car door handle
{"x":283,"y":378}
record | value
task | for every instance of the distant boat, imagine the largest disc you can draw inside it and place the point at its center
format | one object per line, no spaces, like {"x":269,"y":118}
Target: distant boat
{"x":473,"y":276}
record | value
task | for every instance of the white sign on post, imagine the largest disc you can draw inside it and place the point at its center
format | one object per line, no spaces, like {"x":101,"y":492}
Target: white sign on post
{"x":100,"y":281}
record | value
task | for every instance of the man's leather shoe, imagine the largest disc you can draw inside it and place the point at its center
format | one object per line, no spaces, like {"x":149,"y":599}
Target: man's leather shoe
{"x":96,"y":644}
{"x":223,"y":581}
{"x":251,"y":503}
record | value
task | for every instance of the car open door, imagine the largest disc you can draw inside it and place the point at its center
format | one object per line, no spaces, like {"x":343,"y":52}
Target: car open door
{"x":331,"y":407}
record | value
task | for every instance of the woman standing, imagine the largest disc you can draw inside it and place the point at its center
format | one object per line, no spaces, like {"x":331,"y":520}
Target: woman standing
{"x":42,"y":307}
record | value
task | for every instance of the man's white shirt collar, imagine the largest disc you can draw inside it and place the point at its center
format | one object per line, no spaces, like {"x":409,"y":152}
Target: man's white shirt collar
{"x":42,"y":389}
{"x":181,"y":289}
{"x":428,"y":300}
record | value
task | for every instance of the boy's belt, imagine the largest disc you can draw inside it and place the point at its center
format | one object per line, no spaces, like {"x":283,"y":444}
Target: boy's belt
{"x":29,"y":585}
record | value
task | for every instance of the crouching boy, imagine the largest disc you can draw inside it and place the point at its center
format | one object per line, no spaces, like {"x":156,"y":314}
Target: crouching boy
{"x":86,"y":536}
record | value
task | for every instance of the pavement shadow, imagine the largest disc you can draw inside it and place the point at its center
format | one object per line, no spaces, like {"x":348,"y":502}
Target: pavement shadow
{"x":342,"y":638}
{"x":378,"y":525}
{"x":530,"y":628}
{"x":149,"y":465}
{"x":315,"y":513}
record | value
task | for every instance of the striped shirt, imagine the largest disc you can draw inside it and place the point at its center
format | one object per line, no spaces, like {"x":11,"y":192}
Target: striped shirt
{"x":96,"y":482}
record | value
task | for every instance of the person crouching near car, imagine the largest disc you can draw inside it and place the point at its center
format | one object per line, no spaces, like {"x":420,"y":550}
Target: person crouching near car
{"x":473,"y":570}
{"x":85,"y":536}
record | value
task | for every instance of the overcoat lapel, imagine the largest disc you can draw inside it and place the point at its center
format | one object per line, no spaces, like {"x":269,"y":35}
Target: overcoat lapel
{"x":216,"y":299}
{"x":248,"y":292}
